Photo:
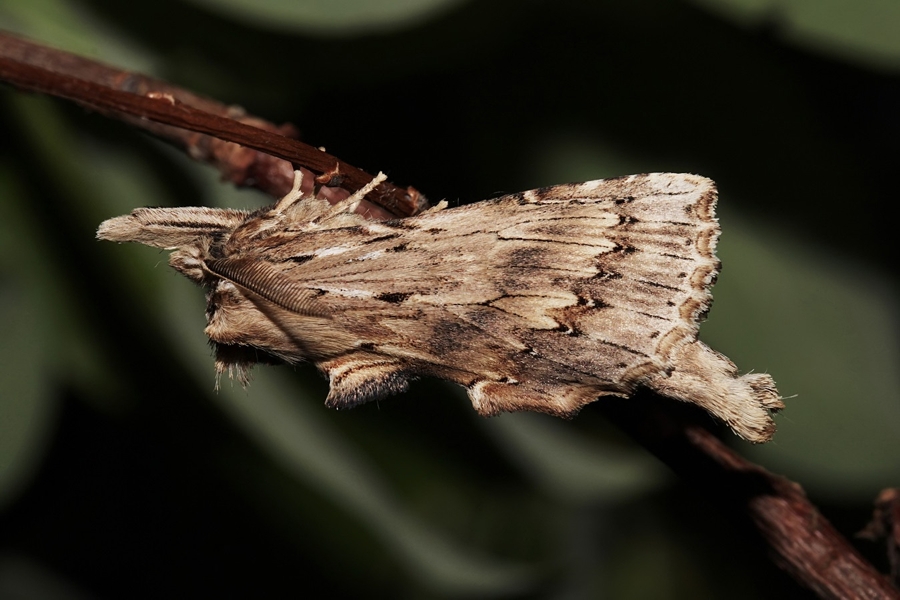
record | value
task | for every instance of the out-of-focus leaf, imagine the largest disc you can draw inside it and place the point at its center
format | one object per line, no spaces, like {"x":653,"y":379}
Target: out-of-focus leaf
{"x":45,"y":339}
{"x":74,"y":351}
{"x":826,"y":330}
{"x":70,"y":26}
{"x":331,"y":17}
{"x":570,"y":467}
{"x":863,"y":31}
{"x":303,"y":443}
{"x":27,"y":402}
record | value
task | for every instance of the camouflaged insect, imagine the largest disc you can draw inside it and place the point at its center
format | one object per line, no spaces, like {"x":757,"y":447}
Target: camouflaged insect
{"x":543,"y":300}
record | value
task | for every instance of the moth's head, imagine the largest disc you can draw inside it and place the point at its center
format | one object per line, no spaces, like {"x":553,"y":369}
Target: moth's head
{"x":192,"y":232}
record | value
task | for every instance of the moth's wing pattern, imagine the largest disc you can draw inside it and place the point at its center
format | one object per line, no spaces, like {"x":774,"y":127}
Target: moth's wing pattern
{"x":542,"y":300}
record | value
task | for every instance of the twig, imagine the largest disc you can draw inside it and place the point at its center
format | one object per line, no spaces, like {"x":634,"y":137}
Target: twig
{"x":803,"y":542}
{"x":885,"y":524}
{"x":801,"y":539}
{"x":183,"y":117}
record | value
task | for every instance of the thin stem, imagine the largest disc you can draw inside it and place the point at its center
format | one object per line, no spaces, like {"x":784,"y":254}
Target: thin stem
{"x":182,"y":117}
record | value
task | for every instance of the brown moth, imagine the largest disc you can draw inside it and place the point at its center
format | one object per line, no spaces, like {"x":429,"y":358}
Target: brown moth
{"x":543,"y":300}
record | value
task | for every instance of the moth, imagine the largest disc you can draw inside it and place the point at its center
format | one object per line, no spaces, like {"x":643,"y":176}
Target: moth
{"x":543,"y":300}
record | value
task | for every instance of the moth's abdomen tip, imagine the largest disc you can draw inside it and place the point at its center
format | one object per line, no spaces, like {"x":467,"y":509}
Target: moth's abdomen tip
{"x":756,"y":399}
{"x":764,"y":390}
{"x":754,"y":423}
{"x":749,"y":407}
{"x":704,"y":377}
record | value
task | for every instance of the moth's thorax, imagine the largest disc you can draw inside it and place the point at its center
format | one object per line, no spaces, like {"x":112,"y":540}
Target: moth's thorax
{"x":257,"y":225}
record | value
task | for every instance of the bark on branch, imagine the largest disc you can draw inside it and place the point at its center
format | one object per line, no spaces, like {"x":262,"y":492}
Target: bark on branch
{"x":801,"y":540}
{"x":247,"y":150}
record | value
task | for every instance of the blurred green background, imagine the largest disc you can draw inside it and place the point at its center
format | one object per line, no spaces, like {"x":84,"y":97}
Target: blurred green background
{"x":124,"y":474}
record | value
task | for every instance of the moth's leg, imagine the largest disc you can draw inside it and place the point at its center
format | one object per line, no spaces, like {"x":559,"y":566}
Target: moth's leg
{"x":560,"y":399}
{"x":188,"y":260}
{"x":359,"y":377}
{"x":708,"y":379}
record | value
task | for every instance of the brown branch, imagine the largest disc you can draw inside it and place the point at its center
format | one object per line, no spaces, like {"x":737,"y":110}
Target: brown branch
{"x":885,"y":524}
{"x":803,"y":542}
{"x":801,"y":539}
{"x":206,"y":129}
